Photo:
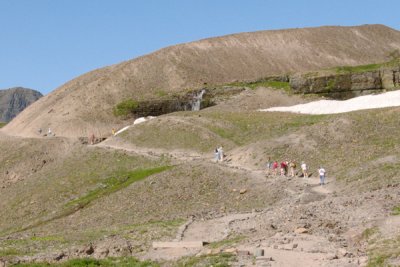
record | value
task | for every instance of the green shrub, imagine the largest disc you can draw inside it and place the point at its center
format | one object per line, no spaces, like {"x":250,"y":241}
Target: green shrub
{"x":396,"y":210}
{"x":126,"y":107}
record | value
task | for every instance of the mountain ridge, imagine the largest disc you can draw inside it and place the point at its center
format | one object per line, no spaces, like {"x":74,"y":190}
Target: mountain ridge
{"x":84,"y":104}
{"x":14,"y":100}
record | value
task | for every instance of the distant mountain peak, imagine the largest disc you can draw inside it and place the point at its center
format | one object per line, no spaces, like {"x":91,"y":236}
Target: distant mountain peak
{"x":14,"y":100}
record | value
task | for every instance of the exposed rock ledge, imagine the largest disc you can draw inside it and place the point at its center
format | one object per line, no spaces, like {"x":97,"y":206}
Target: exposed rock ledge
{"x":346,"y":85}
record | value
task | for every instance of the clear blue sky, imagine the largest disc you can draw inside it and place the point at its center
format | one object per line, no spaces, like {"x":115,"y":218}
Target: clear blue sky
{"x":45,"y":43}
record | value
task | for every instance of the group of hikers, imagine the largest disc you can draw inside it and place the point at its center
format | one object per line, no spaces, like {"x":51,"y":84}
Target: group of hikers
{"x":287,"y":168}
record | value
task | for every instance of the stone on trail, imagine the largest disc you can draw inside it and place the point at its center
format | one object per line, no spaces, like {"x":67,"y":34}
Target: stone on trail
{"x":243,"y":253}
{"x":179,"y":244}
{"x":259,"y":252}
{"x":230,"y":250}
{"x":301,"y":230}
{"x":242,"y":191}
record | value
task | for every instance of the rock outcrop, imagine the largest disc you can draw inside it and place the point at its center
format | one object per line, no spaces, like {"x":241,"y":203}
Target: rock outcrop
{"x":346,"y":85}
{"x":15,"y":100}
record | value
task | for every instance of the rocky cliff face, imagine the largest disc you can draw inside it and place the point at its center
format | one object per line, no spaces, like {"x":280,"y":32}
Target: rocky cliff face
{"x":14,"y":100}
{"x":346,"y":85}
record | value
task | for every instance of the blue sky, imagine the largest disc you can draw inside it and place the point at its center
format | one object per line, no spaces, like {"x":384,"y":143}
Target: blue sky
{"x":45,"y":43}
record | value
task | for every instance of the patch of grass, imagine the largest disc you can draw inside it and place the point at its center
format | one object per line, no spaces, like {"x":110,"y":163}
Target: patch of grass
{"x":161,"y":93}
{"x":364,"y":68}
{"x":2,"y":124}
{"x":244,"y":128}
{"x":219,"y":260}
{"x":357,"y":69}
{"x":377,"y":261}
{"x":125,"y":107}
{"x":87,"y":262}
{"x":396,"y":211}
{"x":115,"y":183}
{"x":226,"y":242}
{"x":263,"y":83}
{"x":383,"y":250}
{"x":369,"y":232}
{"x":48,"y":238}
{"x":9,"y":252}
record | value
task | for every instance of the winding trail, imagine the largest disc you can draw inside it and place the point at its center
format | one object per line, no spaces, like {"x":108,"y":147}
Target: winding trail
{"x":301,"y":249}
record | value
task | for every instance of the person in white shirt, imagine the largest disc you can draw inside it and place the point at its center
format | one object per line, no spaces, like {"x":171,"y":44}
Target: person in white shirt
{"x":321,"y":172}
{"x":304,"y":169}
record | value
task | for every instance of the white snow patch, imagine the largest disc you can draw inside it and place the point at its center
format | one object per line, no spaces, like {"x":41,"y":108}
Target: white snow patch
{"x":137,"y":121}
{"x":142,"y":119}
{"x":389,"y":99}
{"x":122,"y":130}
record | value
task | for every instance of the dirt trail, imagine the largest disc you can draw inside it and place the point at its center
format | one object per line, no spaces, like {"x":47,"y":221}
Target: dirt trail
{"x":286,"y":247}
{"x":310,"y":226}
{"x":181,"y":155}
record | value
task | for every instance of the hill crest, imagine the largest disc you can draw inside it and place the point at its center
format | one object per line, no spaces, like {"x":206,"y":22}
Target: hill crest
{"x":84,"y":105}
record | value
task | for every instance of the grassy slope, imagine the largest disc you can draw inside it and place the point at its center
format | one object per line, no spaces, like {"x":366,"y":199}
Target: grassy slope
{"x":62,"y":187}
{"x":357,"y":148}
{"x":83,"y":194}
{"x":360,"y":149}
{"x":351,"y":145}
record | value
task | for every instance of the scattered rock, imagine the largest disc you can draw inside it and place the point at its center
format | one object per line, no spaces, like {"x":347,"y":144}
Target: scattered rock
{"x":58,"y":257}
{"x":242,"y":191}
{"x":287,"y":247}
{"x":341,"y":252}
{"x":230,"y":250}
{"x":243,"y":253}
{"x":89,"y":250}
{"x":259,"y":252}
{"x":301,"y":230}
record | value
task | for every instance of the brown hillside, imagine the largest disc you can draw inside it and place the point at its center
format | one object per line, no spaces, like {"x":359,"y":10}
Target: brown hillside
{"x":84,"y":105}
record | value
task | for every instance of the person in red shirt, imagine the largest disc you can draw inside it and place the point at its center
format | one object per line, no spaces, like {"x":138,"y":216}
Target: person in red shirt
{"x":275,"y":167}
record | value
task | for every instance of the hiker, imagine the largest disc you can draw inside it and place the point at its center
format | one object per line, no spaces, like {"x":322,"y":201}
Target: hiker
{"x":275,"y":167}
{"x":49,"y":133}
{"x":304,"y":169}
{"x":283,"y":168}
{"x":113,"y":131}
{"x":269,"y":165}
{"x":216,"y":152}
{"x":92,"y":139}
{"x":40,"y":131}
{"x":322,"y":173}
{"x":292,"y":166}
{"x":220,"y":154}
